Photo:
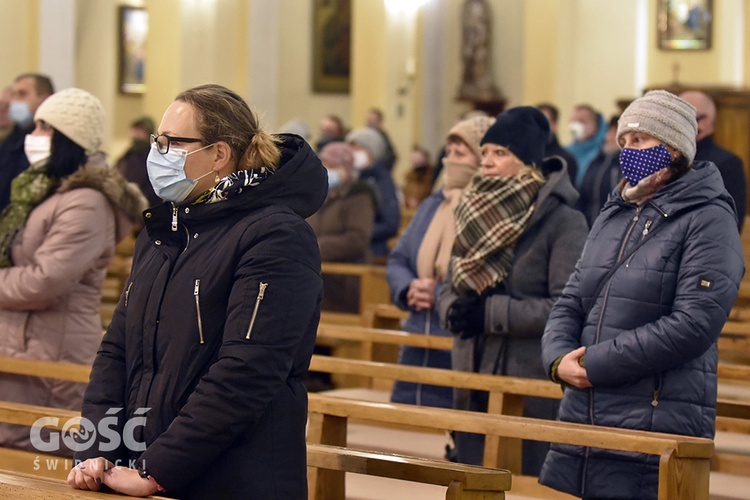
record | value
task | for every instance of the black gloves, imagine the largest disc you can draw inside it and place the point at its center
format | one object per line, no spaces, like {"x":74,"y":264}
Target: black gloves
{"x":466,"y":316}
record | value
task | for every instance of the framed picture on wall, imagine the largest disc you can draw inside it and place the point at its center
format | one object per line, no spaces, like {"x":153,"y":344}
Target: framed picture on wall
{"x":684,"y":24}
{"x":331,"y":45}
{"x":132,"y":33}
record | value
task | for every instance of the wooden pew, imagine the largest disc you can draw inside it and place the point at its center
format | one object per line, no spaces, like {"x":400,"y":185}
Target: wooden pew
{"x":327,"y":464}
{"x":684,"y":461}
{"x":463,"y":482}
{"x":30,"y":487}
{"x":373,"y":289}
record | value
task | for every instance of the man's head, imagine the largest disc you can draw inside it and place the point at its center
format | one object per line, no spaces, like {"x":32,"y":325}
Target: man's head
{"x":142,"y":128}
{"x":584,"y":122}
{"x":331,"y":126}
{"x":27,"y":93}
{"x":552,"y":114}
{"x":374,"y":118}
{"x":705,"y":112}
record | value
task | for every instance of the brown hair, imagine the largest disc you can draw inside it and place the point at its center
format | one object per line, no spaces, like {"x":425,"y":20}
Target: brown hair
{"x":222,"y":115}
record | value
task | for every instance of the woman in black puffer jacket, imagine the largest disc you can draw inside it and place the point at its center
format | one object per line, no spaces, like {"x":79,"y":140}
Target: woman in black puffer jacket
{"x":637,"y":349}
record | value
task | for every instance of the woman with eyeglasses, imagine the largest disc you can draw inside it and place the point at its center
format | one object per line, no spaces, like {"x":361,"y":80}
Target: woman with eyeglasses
{"x":215,"y":329}
{"x":67,"y":212}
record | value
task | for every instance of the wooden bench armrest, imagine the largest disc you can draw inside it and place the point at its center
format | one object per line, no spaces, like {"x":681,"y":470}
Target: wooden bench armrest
{"x":57,"y":370}
{"x":23,"y":414}
{"x":437,"y":376}
{"x":419,"y":470}
{"x":381,"y":336}
{"x":650,"y":443}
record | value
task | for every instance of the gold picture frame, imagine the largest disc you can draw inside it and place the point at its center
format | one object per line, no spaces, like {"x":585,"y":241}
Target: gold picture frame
{"x":331,"y":56}
{"x":132,"y":33}
{"x":684,"y":24}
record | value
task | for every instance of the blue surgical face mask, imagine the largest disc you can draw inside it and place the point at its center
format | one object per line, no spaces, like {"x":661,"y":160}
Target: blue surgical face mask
{"x":637,"y":164}
{"x":167,"y":173}
{"x":19,"y":112}
{"x":334,"y":179}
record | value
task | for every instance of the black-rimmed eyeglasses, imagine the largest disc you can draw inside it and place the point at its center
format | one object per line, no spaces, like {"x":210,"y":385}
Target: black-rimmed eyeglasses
{"x":163,"y":141}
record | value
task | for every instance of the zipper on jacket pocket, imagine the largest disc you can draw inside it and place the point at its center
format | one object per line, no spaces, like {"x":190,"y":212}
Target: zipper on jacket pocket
{"x":261,"y":294}
{"x":127,"y":293}
{"x":196,"y":293}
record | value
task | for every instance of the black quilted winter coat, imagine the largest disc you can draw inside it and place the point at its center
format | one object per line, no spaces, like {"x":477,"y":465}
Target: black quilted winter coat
{"x":213,"y":333}
{"x":650,"y":334}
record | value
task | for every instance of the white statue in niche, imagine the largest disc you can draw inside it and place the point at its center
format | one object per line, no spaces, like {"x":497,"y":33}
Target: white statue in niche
{"x":477,"y":84}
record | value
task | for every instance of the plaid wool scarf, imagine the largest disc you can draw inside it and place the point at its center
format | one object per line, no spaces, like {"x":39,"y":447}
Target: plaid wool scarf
{"x":490,"y":217}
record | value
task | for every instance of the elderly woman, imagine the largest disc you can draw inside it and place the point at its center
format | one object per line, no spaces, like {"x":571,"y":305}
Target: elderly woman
{"x":517,"y":240}
{"x":217,"y":323}
{"x":633,"y":338}
{"x":343,"y":225}
{"x":419,"y":261}
{"x":57,"y":236}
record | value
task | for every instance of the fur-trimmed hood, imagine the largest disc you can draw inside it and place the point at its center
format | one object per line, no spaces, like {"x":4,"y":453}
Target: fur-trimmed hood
{"x":126,"y":198}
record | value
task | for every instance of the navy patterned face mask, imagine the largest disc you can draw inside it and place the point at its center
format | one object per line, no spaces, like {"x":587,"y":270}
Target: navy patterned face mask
{"x":637,"y":164}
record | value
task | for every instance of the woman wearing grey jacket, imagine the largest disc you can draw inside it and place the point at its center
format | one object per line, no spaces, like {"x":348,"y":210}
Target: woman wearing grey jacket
{"x":633,"y":337}
{"x":517,"y":242}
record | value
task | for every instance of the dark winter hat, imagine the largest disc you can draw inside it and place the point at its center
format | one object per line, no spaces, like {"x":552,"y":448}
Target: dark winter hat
{"x":524,"y":130}
{"x":664,"y":116}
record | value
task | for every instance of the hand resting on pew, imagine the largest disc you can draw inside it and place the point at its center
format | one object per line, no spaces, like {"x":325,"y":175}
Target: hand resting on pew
{"x":94,"y":472}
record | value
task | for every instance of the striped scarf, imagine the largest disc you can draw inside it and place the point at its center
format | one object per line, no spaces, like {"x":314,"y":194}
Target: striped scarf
{"x":489,"y":219}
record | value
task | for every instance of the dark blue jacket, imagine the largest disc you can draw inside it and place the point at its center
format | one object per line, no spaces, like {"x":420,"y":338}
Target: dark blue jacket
{"x":214,"y":333}
{"x":651,"y":333}
{"x":388,"y":212}
{"x":400,"y":271}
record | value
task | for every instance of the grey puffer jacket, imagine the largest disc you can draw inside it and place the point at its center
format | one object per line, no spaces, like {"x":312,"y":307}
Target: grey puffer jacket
{"x":650,"y":334}
{"x":516,"y":312}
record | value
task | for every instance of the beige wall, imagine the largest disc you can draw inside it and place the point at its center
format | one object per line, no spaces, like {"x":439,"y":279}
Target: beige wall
{"x":564,"y":51}
{"x":296,"y":98}
{"x":18,"y":37}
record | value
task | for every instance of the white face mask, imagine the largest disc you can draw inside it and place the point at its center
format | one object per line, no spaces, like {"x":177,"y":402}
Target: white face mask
{"x":37,"y":147}
{"x":361,"y":160}
{"x":577,"y":130}
{"x":167,"y":173}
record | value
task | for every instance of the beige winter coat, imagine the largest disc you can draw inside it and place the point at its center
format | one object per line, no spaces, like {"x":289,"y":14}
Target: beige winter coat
{"x":49,"y":299}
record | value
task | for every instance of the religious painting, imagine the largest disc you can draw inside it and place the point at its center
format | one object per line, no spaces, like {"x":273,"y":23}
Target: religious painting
{"x":132,"y":34}
{"x":684,"y":24}
{"x":331,"y":45}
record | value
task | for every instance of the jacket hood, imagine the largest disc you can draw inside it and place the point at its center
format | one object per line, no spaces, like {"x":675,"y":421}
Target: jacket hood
{"x":558,"y":188}
{"x":125,"y":197}
{"x":702,"y":184}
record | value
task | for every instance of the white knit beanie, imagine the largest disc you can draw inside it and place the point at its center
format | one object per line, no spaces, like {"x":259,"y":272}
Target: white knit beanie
{"x":77,"y":115}
{"x":369,"y":139}
{"x":664,"y":116}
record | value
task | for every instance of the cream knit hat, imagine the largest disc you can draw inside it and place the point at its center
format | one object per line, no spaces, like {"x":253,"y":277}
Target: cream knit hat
{"x":77,"y":115}
{"x":471,"y":132}
{"x":664,"y":116}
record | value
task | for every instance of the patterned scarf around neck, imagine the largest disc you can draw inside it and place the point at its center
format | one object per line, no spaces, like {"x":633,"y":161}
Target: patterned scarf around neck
{"x":491,"y":216}
{"x":234,"y":184}
{"x":27,"y":190}
{"x":645,"y":190}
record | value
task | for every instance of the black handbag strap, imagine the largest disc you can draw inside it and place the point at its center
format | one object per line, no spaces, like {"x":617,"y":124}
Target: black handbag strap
{"x":623,"y":259}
